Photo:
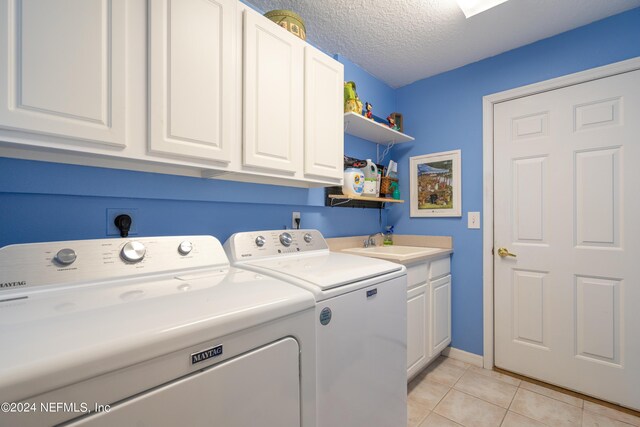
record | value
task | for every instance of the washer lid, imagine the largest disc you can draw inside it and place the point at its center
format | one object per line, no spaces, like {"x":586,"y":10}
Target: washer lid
{"x":58,"y":337}
{"x":328,"y":269}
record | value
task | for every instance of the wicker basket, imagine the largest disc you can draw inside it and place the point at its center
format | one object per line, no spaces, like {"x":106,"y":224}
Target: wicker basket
{"x":385,"y":185}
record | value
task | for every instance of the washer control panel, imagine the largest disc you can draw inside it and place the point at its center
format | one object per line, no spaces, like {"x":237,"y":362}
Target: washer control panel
{"x":261,"y":244}
{"x":26,"y":265}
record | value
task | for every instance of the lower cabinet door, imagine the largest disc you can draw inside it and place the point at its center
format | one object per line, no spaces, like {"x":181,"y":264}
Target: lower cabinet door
{"x":417,"y":328}
{"x":440,"y":314}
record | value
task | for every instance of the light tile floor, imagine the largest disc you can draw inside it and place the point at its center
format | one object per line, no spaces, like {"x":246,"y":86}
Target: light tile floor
{"x":454,"y":393}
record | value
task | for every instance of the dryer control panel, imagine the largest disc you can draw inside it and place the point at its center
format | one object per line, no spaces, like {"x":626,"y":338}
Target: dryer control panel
{"x":24,"y":266}
{"x":271,"y":243}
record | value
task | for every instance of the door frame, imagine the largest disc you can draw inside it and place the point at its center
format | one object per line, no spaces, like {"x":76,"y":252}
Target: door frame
{"x":487,"y":168}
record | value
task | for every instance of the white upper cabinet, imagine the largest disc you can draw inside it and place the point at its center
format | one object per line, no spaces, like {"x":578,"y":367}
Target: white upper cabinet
{"x":192,"y":72}
{"x":205,"y":88}
{"x":323,"y":130}
{"x":273,"y":62}
{"x":62,"y":69}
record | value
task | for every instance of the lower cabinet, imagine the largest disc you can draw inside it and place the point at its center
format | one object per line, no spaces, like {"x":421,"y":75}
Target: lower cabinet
{"x":428,"y":313}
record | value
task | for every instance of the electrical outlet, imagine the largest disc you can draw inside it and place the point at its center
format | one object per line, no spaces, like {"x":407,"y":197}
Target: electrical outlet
{"x":473,"y":219}
{"x":294,"y":216}
{"x":112,"y":213}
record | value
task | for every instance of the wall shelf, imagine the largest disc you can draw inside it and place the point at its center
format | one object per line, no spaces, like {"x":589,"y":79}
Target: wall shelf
{"x":365,"y":199}
{"x":335,"y":198}
{"x":360,"y":126}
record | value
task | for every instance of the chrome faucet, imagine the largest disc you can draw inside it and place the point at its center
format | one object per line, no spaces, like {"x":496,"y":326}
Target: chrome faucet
{"x":370,"y":240}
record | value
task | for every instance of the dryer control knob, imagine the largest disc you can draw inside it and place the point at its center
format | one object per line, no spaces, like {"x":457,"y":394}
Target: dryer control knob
{"x":185,"y":247}
{"x":133,"y":251}
{"x":308,"y":237}
{"x":66,"y":256}
{"x":286,"y":239}
{"x":260,"y":241}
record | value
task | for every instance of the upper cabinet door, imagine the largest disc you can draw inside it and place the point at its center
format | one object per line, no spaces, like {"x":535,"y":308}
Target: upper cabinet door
{"x":323,"y":115}
{"x":62,"y":69}
{"x":273,"y":96}
{"x":192,"y":71}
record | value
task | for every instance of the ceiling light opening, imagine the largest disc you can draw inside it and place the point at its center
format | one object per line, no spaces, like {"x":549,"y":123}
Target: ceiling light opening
{"x":473,"y":7}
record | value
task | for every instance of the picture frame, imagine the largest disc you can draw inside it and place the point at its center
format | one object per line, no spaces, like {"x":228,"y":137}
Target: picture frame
{"x":436,"y":185}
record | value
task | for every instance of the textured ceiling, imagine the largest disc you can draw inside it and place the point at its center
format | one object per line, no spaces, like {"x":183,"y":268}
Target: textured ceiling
{"x":401,"y":41}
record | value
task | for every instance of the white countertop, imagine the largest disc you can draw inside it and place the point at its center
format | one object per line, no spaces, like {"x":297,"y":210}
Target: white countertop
{"x":400,"y":254}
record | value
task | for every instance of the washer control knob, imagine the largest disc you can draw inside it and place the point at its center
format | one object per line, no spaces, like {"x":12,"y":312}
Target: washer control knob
{"x":185,"y":247}
{"x":308,"y":237}
{"x":260,"y":241}
{"x":133,"y":251}
{"x":286,"y":239}
{"x":66,"y":256}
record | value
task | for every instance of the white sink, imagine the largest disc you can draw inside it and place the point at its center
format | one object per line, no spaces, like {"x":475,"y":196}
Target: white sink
{"x":394,"y":252}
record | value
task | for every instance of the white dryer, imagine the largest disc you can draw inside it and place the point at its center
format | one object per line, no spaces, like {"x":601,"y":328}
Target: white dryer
{"x":153,"y":332}
{"x":361,"y":322}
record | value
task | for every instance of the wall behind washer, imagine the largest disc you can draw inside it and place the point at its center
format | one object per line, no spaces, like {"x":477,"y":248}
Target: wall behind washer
{"x":444,"y":113}
{"x":42,"y":201}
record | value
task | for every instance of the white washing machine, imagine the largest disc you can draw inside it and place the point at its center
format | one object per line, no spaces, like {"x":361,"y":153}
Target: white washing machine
{"x":152,"y":332}
{"x":360,"y":318}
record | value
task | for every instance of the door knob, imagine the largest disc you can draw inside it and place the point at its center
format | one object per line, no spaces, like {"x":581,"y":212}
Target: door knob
{"x":503,"y":252}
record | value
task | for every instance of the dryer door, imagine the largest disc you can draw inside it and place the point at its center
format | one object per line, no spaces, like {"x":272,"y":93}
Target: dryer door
{"x":261,"y":387}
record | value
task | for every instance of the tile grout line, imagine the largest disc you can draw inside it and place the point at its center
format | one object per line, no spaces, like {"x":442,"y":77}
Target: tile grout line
{"x":540,"y":421}
{"x":503,"y":417}
{"x":512,"y":399}
{"x":486,"y":401}
{"x":553,"y":398}
{"x":606,"y":416}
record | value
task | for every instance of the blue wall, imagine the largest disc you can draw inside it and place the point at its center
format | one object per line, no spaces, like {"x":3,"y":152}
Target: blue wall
{"x":47,"y":201}
{"x":444,"y":113}
{"x":44,"y":201}
{"x":381,"y":96}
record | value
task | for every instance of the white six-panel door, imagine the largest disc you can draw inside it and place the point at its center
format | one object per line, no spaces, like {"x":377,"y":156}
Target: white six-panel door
{"x":192,"y":76}
{"x":62,"y":69}
{"x":273,"y":66}
{"x":566,"y":204}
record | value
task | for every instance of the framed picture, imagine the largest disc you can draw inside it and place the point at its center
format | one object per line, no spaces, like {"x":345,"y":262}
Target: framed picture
{"x":435,"y":184}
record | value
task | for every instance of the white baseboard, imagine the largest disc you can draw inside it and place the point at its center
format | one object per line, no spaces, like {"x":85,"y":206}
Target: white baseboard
{"x":463,"y":356}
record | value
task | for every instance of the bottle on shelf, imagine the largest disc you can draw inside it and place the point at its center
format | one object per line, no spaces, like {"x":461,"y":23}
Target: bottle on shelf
{"x":395,"y":193}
